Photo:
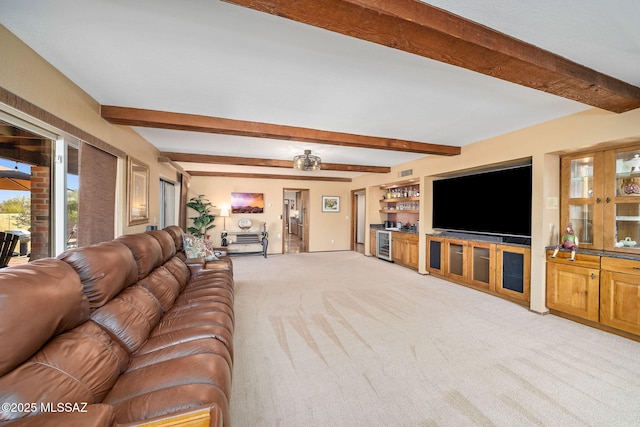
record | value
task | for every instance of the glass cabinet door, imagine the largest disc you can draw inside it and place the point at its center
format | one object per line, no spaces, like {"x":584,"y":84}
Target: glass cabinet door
{"x":456,"y":265}
{"x":582,"y":198}
{"x":581,"y":217}
{"x":482,"y":265}
{"x":581,"y":171}
{"x":623,"y":209}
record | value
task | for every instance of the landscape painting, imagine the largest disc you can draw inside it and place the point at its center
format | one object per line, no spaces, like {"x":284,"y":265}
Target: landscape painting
{"x":247,"y":203}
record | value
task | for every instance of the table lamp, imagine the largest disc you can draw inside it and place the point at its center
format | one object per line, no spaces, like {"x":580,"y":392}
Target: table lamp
{"x":224,"y":213}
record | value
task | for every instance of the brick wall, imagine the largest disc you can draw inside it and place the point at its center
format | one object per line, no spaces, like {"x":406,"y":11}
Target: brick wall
{"x":40,"y":211}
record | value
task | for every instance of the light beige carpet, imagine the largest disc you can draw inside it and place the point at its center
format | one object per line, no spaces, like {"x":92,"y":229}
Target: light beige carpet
{"x":340,"y":339}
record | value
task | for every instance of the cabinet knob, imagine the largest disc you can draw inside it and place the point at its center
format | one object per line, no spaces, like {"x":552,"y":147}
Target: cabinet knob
{"x":593,"y":276}
{"x":598,"y":199}
{"x":608,"y":199}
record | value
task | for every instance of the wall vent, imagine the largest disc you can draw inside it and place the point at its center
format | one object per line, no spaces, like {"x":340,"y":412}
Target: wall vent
{"x":404,"y":173}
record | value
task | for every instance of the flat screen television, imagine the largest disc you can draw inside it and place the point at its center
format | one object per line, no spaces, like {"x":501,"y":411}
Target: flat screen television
{"x":496,"y":202}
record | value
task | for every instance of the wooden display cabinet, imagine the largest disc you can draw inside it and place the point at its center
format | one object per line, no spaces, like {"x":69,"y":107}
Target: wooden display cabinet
{"x":600,"y":197}
{"x":573,"y":287}
{"x":499,"y":269}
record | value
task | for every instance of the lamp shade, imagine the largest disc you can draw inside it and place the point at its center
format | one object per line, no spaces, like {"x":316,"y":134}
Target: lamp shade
{"x":224,"y":212}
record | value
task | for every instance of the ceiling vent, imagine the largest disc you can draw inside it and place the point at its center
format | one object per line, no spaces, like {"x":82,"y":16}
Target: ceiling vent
{"x":404,"y":173}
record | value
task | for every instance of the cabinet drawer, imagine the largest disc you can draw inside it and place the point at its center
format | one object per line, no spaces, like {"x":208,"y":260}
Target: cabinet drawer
{"x":620,"y":265}
{"x":410,"y":237}
{"x":581,"y":260}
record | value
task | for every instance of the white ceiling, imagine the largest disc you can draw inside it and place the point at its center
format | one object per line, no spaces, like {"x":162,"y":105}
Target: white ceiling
{"x":217,"y":59}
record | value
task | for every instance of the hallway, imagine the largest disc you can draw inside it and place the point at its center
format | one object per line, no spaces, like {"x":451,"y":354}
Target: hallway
{"x":293,"y":244}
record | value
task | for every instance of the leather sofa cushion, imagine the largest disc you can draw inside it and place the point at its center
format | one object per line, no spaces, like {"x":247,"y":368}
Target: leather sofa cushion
{"x":81,"y":365}
{"x":190,"y":293}
{"x":189,"y":319}
{"x":163,"y":285}
{"x":181,"y":349}
{"x":164,"y":341}
{"x":166,"y":243}
{"x":129,"y":317}
{"x":207,"y":368}
{"x":159,"y":340}
{"x":179,"y":269}
{"x":37,"y":301}
{"x":146,"y":251}
{"x":210,"y":278}
{"x":104,"y":269}
{"x":206,"y":306}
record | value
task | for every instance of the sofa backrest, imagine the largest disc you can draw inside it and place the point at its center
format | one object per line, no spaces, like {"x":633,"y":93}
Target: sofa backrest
{"x":146,"y":251}
{"x":176,"y":233}
{"x":129,"y":317}
{"x":105,"y":269}
{"x":37,"y":301}
{"x":166,"y":242}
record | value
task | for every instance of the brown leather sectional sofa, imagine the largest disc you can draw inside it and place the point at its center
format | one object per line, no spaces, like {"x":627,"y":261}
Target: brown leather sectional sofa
{"x":119,"y":333}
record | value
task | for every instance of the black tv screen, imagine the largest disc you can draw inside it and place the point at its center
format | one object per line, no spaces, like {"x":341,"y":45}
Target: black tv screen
{"x":496,"y":202}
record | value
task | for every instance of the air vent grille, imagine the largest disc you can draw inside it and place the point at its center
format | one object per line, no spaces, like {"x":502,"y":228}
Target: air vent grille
{"x":404,"y":173}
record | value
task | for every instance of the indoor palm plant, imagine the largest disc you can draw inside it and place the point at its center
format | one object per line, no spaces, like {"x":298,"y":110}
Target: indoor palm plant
{"x":204,"y":221}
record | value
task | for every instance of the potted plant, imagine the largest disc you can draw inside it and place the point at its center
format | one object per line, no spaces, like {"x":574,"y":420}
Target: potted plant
{"x":204,"y":221}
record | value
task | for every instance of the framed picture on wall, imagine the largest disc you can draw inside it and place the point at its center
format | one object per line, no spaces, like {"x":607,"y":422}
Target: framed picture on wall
{"x":138,"y":192}
{"x":330,"y":203}
{"x":247,"y":203}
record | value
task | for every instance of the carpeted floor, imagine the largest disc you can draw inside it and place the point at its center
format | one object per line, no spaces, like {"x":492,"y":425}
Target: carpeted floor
{"x":340,"y":339}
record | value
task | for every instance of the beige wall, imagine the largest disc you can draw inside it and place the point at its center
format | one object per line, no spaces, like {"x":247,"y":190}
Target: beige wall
{"x":329,"y":231}
{"x":30,"y":77}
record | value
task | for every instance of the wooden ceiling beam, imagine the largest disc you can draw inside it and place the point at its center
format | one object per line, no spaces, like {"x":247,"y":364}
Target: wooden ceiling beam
{"x":267,"y":176}
{"x":422,"y":29}
{"x":250,"y":161}
{"x":196,"y":123}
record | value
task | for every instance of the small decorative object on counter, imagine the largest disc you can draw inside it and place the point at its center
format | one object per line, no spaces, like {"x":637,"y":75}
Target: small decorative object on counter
{"x":631,"y":186}
{"x":244,"y":224}
{"x":626,"y":243}
{"x":569,"y":241}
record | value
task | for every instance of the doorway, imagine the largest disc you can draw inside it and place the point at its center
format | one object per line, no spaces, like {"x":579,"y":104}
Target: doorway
{"x":358,"y":210}
{"x":167,"y":203}
{"x":295,"y":223}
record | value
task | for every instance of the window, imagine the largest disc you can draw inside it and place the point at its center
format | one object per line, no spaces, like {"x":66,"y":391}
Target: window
{"x":25,"y":189}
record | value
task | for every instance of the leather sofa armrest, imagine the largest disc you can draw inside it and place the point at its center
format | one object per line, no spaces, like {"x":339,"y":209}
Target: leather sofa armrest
{"x":195,"y":264}
{"x":203,"y":416}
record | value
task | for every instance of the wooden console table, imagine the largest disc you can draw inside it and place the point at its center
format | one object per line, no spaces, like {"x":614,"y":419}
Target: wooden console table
{"x":245,"y":242}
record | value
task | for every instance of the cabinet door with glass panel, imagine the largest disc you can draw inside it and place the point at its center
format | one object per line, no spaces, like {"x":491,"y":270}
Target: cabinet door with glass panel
{"x":622,"y":200}
{"x":583,"y":198}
